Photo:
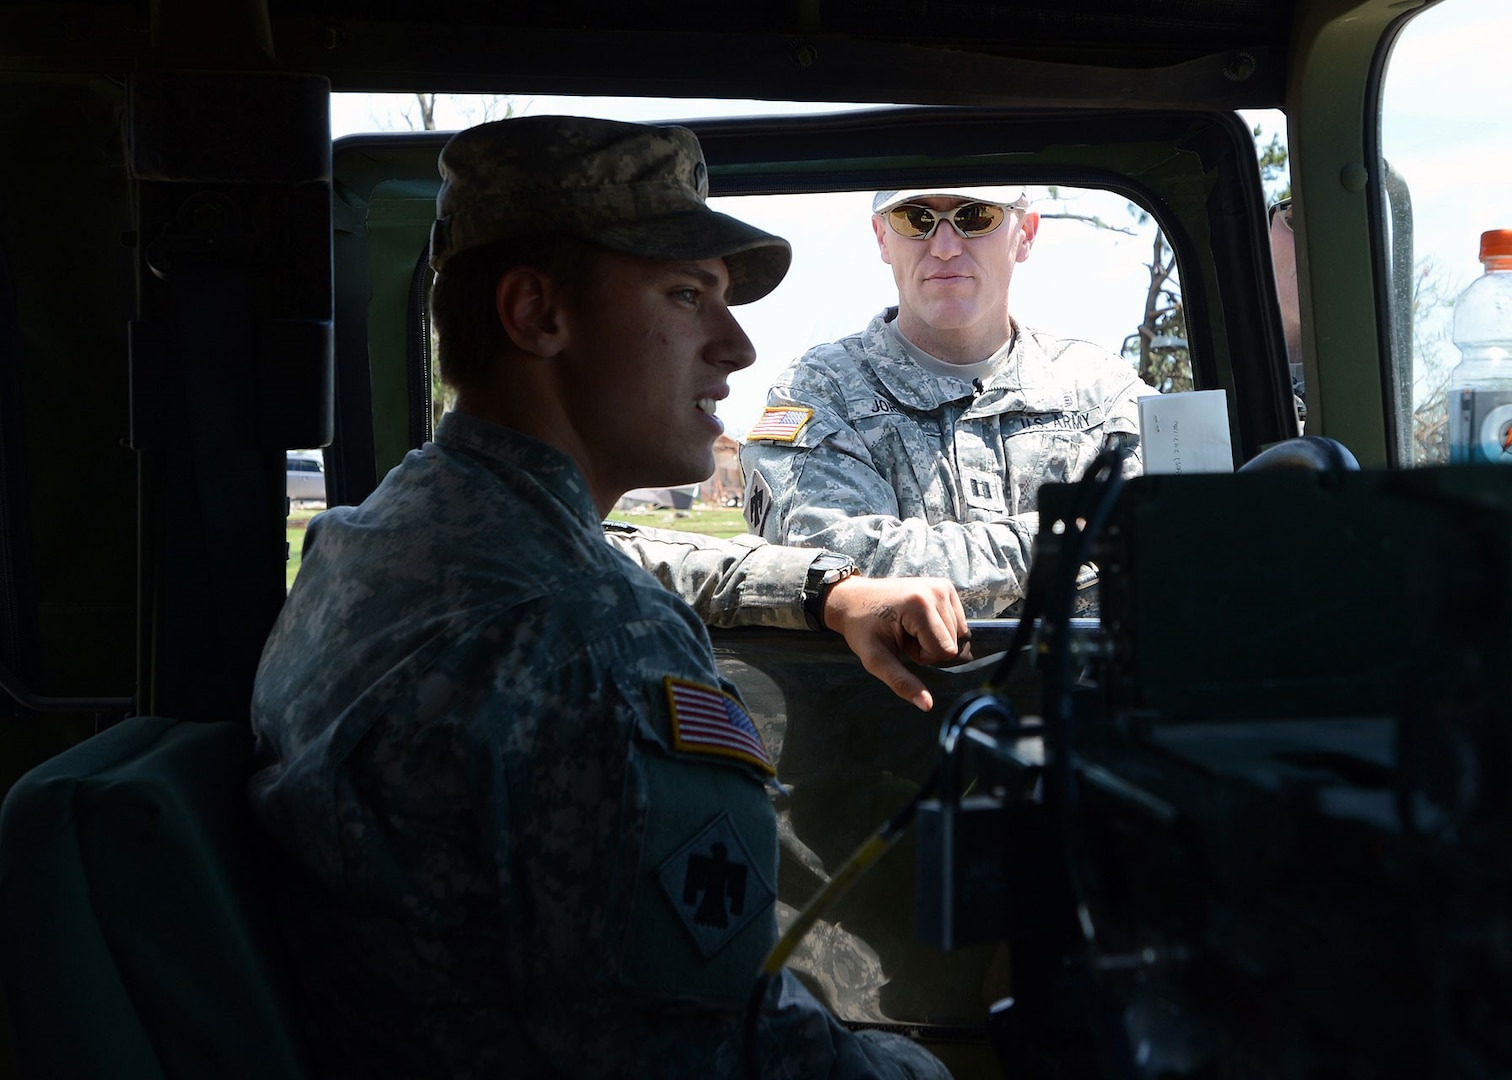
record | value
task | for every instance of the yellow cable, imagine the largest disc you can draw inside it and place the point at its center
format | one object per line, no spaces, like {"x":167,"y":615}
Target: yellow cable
{"x":869,"y":852}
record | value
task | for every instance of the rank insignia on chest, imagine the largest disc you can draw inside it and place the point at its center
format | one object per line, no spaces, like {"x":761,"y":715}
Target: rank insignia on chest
{"x":715,"y":886}
{"x":780,"y":423}
{"x":711,"y":722}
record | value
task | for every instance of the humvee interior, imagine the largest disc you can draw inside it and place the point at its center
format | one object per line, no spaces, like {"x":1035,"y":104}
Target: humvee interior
{"x":1246,"y":822}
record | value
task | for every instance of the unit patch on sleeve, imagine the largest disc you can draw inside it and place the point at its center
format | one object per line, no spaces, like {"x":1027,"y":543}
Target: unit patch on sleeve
{"x":758,"y":503}
{"x":709,"y":721}
{"x":714,"y":885}
{"x":780,"y":423}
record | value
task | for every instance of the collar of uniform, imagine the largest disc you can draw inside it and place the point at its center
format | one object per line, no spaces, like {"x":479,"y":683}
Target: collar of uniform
{"x":1029,"y":377}
{"x":1026,"y":383}
{"x":909,"y":384}
{"x":504,"y":449}
{"x":944,"y":369}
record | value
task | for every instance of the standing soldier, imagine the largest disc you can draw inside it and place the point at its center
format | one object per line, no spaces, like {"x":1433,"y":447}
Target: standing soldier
{"x":918,"y":445}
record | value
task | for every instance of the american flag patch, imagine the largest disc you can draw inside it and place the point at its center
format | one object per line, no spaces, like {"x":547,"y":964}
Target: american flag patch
{"x":708,"y":721}
{"x":780,"y":423}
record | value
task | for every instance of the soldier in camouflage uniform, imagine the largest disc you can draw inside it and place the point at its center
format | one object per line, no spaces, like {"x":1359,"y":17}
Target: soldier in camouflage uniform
{"x":536,"y":819}
{"x":917,"y":446}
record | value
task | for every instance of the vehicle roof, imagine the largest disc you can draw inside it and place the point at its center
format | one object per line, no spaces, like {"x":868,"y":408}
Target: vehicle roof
{"x":1097,"y":52}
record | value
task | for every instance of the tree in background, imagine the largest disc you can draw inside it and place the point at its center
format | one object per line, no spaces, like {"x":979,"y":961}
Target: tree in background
{"x":1273,"y":164}
{"x":1158,"y":345}
{"x":1433,"y":358}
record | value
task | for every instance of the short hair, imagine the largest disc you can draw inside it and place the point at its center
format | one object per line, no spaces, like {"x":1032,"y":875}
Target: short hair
{"x":469,"y":336}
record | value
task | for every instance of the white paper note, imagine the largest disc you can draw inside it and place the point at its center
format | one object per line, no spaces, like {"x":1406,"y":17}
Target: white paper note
{"x":1186,"y":433}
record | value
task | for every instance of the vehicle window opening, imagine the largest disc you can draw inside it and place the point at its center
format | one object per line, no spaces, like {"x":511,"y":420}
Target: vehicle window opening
{"x":1101,"y":270}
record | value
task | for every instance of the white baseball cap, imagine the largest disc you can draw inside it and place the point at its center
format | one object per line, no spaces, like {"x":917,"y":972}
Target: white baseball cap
{"x":1013,"y":195}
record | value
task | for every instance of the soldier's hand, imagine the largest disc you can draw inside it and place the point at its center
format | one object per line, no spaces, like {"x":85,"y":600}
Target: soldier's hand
{"x":883,"y":619}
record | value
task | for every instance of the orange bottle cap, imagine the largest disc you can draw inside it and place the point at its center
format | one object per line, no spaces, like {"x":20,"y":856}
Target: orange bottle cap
{"x":1496,"y":244}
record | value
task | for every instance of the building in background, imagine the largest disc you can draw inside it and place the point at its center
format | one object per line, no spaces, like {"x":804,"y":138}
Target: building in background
{"x":726,"y":486}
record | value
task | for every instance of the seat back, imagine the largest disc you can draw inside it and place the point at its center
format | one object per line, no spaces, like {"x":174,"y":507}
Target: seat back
{"x":133,"y":940}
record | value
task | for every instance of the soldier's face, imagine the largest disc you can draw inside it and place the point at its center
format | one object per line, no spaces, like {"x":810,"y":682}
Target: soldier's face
{"x":650,"y":347}
{"x":1283,"y":246}
{"x":956,"y":287}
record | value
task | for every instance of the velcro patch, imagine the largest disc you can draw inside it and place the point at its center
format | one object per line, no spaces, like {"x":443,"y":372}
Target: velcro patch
{"x":758,"y":504}
{"x":715,"y":886}
{"x":983,"y":490}
{"x":709,"y":721}
{"x":780,"y":423}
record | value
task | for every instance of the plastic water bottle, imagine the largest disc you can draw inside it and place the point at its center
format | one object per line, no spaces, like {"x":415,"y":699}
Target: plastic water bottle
{"x":1480,"y":387}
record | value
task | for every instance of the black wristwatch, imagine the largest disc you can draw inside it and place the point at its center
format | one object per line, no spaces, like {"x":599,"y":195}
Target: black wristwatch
{"x":827,"y":569}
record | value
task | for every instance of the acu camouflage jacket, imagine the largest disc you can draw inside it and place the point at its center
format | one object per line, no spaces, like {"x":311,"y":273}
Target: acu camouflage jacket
{"x":863,"y":451}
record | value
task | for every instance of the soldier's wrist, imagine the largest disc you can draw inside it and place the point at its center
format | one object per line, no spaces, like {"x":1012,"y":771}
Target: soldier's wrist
{"x":828,"y":569}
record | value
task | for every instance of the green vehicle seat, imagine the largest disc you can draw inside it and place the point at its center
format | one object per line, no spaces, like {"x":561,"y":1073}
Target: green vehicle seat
{"x":135,"y":900}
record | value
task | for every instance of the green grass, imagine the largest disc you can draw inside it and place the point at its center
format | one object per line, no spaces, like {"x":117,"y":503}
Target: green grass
{"x":718,"y":521}
{"x":299,"y":517}
{"x":709,"y":520}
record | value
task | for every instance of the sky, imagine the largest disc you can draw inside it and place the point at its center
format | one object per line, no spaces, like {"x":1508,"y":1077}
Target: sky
{"x":1445,"y":127}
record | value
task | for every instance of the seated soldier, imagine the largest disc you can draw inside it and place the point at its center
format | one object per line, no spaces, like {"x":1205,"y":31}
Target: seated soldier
{"x":535,"y":817}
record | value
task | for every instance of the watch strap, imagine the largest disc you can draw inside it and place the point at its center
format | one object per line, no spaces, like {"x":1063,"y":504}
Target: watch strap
{"x":827,"y":570}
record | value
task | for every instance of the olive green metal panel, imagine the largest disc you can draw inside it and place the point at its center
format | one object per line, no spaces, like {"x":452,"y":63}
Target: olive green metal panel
{"x":386,"y":201}
{"x":1332,"y":116}
{"x":400,"y":213}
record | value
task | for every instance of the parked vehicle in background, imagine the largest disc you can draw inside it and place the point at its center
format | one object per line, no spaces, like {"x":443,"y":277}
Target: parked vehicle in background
{"x":306,"y":477}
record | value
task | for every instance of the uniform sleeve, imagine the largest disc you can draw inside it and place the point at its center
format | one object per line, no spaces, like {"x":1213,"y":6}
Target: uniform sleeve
{"x":641,"y":853}
{"x":822,"y":489}
{"x":743,"y":581}
{"x":797,"y":1037}
{"x":1121,"y":413}
{"x":1107,"y":389}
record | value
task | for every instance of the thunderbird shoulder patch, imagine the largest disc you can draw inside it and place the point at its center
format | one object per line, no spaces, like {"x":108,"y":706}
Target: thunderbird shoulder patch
{"x":780,"y":423}
{"x":715,"y":886}
{"x":709,"y":721}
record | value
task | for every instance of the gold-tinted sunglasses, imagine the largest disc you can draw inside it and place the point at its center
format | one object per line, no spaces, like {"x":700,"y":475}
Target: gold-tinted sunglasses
{"x":918,"y":222}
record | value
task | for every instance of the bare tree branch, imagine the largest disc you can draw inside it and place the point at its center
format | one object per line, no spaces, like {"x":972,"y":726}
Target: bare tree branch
{"x":1090,"y":219}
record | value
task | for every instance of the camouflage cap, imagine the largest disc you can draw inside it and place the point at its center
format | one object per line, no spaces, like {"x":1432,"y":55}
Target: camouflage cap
{"x":1012,"y":195}
{"x":633,"y":188}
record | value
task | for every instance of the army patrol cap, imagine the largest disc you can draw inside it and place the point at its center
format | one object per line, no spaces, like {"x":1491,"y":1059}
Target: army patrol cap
{"x":637,"y":189}
{"x":1013,"y":195}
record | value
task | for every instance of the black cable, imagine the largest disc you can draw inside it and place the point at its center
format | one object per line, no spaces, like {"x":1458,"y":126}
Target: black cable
{"x":1033,"y":601}
{"x":1093,"y":502}
{"x":1108,"y":461}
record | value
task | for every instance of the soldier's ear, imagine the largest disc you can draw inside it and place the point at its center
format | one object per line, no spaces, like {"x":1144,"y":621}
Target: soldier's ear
{"x":879,"y":227}
{"x":1030,"y":227}
{"x":528,"y":302}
